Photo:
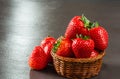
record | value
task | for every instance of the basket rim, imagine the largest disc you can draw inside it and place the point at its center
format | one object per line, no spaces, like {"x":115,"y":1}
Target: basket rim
{"x":81,"y":60}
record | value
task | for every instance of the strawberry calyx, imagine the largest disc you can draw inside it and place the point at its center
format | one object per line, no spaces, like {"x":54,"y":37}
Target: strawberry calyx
{"x":85,"y":20}
{"x":77,"y":36}
{"x":92,"y":25}
{"x":88,"y":24}
{"x":84,"y":37}
{"x":57,"y":44}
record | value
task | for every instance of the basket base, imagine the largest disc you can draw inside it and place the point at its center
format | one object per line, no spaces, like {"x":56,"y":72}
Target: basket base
{"x":77,"y":77}
{"x":74,"y":72}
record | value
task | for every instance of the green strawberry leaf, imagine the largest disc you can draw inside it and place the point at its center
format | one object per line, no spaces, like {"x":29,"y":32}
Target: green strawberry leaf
{"x":91,"y":25}
{"x":96,"y":24}
{"x":86,"y":37}
{"x":88,"y":24}
{"x":56,"y":45}
{"x":82,"y":18}
{"x":85,"y":20}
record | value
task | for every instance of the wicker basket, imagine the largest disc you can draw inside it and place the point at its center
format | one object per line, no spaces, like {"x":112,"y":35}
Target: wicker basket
{"x":75,"y":68}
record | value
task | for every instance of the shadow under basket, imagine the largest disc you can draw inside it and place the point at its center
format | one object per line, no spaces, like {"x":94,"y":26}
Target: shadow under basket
{"x":77,"y":68}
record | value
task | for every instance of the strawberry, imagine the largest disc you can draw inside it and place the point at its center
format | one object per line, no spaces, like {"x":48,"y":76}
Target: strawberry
{"x":38,"y":59}
{"x":47,"y":40}
{"x":47,"y":45}
{"x":63,"y":47}
{"x":76,"y":26}
{"x":82,"y":47}
{"x":100,"y":37}
{"x":94,"y":53}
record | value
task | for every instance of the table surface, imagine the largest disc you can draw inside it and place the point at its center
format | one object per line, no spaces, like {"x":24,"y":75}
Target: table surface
{"x":24,"y":23}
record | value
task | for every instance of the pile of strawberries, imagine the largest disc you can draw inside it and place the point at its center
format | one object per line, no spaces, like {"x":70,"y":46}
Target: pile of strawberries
{"x":82,"y":39}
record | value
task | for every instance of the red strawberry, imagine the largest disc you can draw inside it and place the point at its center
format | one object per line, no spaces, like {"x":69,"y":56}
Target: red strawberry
{"x":38,"y":59}
{"x":100,"y":37}
{"x":47,"y":45}
{"x":94,"y":53}
{"x":76,"y":26}
{"x":47,"y":40}
{"x":63,"y":47}
{"x":82,"y":48}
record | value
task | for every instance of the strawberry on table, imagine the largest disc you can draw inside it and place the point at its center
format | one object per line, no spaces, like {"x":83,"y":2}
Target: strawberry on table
{"x":38,"y":59}
{"x":47,"y":45}
{"x":63,"y":47}
{"x":82,"y":47}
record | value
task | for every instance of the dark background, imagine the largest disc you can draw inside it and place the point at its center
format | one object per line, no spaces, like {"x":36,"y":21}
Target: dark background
{"x":24,"y":23}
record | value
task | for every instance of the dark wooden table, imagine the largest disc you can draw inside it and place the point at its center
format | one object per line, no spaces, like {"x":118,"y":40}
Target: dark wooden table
{"x":24,"y":23}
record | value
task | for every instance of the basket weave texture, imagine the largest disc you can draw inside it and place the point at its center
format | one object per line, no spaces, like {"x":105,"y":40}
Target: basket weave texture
{"x":77,"y":68}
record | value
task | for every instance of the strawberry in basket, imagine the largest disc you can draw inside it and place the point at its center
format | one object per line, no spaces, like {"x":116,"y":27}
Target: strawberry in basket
{"x":63,"y":47}
{"x":100,"y":37}
{"x":76,"y":26}
{"x":83,"y":47}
